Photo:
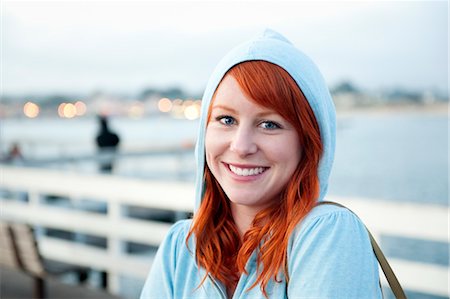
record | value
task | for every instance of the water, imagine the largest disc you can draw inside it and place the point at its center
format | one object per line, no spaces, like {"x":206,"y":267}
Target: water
{"x":401,"y":157}
{"x":394,"y":156}
{"x":46,"y":137}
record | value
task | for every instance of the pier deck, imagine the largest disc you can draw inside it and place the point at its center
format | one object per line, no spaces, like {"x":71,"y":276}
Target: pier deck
{"x":17,"y":285}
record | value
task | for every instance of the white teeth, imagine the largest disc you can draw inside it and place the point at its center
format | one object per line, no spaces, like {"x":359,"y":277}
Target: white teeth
{"x":246,"y":171}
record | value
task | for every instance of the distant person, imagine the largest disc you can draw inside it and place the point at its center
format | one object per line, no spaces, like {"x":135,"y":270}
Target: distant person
{"x":107,"y":142}
{"x":14,"y":155}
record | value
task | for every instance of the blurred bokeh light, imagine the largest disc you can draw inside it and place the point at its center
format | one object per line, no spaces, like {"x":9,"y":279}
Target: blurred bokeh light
{"x":31,"y":110}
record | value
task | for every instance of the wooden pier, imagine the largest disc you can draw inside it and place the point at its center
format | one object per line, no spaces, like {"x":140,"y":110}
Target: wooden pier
{"x":17,"y":285}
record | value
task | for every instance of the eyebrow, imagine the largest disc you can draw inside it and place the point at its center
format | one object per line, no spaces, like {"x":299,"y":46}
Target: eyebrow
{"x":262,"y":114}
{"x":224,"y":108}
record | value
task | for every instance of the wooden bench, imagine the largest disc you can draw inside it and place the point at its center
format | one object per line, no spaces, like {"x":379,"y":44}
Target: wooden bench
{"x":19,"y":250}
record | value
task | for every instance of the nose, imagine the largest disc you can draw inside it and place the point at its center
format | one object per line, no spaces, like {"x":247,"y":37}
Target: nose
{"x":243,"y":142}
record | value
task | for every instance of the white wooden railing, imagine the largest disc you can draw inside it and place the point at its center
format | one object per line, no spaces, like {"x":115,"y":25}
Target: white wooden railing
{"x":428,"y":222}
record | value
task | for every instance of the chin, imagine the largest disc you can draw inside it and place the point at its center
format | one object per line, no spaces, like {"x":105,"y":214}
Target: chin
{"x":248,"y":200}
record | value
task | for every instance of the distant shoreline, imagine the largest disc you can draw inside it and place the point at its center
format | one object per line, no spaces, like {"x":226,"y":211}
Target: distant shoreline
{"x":433,"y":109}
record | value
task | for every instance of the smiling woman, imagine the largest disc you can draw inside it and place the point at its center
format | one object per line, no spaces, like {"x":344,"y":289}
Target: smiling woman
{"x":254,"y":152}
{"x":264,"y":154}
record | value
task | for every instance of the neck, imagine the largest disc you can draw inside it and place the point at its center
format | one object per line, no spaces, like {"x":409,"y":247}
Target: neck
{"x":243,"y":217}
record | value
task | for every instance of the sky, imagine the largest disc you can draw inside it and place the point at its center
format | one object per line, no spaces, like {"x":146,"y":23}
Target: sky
{"x":125,"y":46}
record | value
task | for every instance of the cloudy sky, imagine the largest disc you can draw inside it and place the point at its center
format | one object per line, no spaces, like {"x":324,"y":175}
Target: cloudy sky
{"x":125,"y":46}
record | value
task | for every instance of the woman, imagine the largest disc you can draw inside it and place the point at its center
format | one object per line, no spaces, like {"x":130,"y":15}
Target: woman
{"x":267,"y":135}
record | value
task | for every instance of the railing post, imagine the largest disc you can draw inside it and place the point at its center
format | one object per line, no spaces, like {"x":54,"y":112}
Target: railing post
{"x":115,"y":246}
{"x":34,"y":199}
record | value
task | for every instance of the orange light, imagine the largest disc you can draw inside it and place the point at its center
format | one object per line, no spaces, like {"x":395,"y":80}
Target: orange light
{"x":61,"y":109}
{"x":80,"y":108}
{"x":136,"y":110}
{"x":31,"y":110}
{"x":187,"y":103}
{"x":165,"y":105}
{"x":192,"y":112}
{"x":177,"y":102}
{"x":69,"y":110}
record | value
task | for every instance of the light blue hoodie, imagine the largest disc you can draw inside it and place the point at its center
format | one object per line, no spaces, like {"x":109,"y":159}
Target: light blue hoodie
{"x":329,"y":253}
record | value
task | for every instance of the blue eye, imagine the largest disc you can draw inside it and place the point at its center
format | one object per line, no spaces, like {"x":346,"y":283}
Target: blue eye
{"x":226,"y":120}
{"x":270,"y":125}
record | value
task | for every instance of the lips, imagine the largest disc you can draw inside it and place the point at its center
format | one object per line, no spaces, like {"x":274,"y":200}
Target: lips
{"x":246,"y":171}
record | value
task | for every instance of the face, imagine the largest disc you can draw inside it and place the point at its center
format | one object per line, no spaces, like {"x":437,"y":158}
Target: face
{"x":251,"y":150}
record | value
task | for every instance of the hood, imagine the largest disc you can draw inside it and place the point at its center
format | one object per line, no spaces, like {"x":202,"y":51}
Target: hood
{"x":275,"y":48}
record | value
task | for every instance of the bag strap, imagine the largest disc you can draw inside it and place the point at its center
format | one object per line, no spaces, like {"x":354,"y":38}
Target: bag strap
{"x":387,"y":270}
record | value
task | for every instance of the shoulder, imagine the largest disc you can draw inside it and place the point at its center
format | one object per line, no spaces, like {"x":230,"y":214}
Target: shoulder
{"x":175,"y":239}
{"x":329,"y":223}
{"x":329,"y":214}
{"x":173,"y":247}
{"x":180,"y":227}
{"x":178,"y":232}
{"x":330,"y":254}
{"x":170,"y":259}
{"x":321,"y":210}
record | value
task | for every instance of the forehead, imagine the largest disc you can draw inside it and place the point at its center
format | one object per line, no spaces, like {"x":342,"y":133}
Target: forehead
{"x":230,"y":95}
{"x":228,"y":88}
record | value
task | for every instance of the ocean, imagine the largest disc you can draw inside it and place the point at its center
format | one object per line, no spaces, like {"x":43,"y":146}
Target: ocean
{"x":401,"y":157}
{"x":396,"y":156}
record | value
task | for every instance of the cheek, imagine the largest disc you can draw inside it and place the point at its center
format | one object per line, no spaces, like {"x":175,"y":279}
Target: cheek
{"x":285,"y":151}
{"x":295,"y":155}
{"x":208,"y":148}
{"x":212,"y":146}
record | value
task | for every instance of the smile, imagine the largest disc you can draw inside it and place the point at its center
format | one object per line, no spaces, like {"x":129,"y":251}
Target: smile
{"x":247,"y":171}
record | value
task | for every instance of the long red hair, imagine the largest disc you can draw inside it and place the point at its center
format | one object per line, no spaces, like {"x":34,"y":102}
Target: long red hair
{"x":219,"y":248}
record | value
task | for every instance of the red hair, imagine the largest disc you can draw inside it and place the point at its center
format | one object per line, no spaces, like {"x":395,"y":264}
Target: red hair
{"x":219,"y":248}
